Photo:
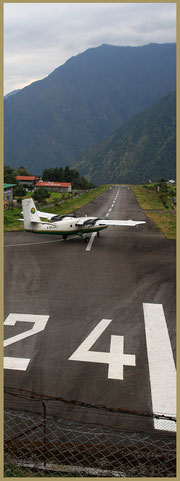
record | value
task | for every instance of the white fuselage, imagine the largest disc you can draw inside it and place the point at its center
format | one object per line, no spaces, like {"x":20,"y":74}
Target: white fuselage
{"x":66,"y":226}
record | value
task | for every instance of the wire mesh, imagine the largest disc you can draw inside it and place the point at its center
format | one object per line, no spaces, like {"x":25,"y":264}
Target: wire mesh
{"x":40,"y":442}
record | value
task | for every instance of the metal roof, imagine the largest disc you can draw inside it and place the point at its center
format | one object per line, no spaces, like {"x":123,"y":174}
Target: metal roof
{"x":52,"y":184}
{"x":7,"y":186}
{"x":25,"y":177}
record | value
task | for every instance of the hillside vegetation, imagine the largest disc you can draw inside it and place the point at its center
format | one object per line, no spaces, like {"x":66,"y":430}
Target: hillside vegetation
{"x":54,"y":121}
{"x":144,"y":148}
{"x":159,"y":207}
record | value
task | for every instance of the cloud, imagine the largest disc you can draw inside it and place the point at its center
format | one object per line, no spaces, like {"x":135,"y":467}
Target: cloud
{"x":40,"y":37}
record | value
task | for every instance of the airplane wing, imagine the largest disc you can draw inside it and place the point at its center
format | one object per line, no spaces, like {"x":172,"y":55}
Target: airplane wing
{"x":120,"y":222}
{"x":106,"y":222}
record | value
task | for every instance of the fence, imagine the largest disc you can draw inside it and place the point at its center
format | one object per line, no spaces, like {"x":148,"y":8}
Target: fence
{"x":42,"y":438}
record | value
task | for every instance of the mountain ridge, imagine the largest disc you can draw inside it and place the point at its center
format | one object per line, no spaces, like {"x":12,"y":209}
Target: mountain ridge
{"x":57,"y":119}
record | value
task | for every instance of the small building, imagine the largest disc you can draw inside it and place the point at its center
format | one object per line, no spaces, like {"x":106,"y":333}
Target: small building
{"x":27,"y":180}
{"x":62,"y":187}
{"x":171,"y":182}
{"x":8,"y":194}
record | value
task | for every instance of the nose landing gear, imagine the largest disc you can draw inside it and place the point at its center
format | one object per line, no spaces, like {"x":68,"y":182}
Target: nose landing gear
{"x":84,"y":237}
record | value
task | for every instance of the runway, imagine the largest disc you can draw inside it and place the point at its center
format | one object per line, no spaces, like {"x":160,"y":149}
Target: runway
{"x":77,"y":315}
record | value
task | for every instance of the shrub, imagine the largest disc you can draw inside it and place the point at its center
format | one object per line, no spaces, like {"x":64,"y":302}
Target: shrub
{"x":41,"y":194}
{"x":164,"y":199}
{"x":19,"y":191}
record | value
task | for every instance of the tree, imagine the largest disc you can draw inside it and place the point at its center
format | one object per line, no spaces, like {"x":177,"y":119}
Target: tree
{"x":19,"y":191}
{"x":67,"y":175}
{"x":41,"y":194}
{"x":163,"y":185}
{"x":9,"y":175}
{"x":48,"y":174}
{"x":22,"y":171}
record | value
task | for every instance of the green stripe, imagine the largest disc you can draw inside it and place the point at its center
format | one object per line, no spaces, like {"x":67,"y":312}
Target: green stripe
{"x":57,"y":232}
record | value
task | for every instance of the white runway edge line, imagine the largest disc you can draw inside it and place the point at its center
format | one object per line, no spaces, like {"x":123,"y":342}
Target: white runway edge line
{"x":161,"y":366}
{"x":40,"y":243}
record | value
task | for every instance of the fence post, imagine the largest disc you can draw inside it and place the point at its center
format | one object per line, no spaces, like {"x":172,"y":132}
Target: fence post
{"x":44,"y":430}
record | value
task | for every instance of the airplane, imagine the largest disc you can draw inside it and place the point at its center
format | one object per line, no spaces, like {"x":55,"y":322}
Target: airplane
{"x":66,"y":225}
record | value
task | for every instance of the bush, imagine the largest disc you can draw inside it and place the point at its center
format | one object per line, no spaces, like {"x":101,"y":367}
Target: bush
{"x":19,"y":191}
{"x":164,"y":199}
{"x":40,"y":194}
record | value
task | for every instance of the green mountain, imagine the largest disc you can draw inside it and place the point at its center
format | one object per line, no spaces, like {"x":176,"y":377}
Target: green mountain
{"x":55,"y":120}
{"x":144,"y":148}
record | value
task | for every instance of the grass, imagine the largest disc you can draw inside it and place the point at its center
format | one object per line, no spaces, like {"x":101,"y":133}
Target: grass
{"x":71,"y":205}
{"x":148,"y":199}
{"x":163,"y":217}
{"x":10,"y":220}
{"x":54,"y":196}
{"x":165,"y":222}
{"x":68,"y":205}
{"x":21,"y":472}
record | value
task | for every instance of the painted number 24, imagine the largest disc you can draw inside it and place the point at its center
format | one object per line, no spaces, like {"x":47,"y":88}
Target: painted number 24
{"x":116,"y":359}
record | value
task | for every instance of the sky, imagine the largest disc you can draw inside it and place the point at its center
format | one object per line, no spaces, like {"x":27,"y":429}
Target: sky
{"x":39,"y":37}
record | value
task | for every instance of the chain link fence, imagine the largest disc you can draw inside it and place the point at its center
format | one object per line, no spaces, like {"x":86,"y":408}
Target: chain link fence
{"x":55,"y":437}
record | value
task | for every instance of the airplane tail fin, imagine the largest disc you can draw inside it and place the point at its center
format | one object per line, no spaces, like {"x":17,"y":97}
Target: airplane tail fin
{"x":30,"y":213}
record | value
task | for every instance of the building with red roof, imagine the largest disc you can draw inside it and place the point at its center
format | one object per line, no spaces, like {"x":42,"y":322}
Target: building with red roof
{"x":55,"y":186}
{"x":27,"y":180}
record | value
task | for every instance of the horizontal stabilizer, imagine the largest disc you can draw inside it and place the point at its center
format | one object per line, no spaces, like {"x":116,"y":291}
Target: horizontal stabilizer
{"x":38,"y":222}
{"x":45,"y":215}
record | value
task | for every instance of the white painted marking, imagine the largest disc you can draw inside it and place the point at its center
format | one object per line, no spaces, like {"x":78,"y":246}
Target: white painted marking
{"x":16,"y":363}
{"x":161,"y":366}
{"x":88,"y":248}
{"x":39,"y":325}
{"x":43,"y":242}
{"x":116,"y":359}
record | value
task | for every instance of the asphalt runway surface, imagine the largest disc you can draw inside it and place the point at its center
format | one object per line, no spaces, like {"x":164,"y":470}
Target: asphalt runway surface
{"x":109,"y":305}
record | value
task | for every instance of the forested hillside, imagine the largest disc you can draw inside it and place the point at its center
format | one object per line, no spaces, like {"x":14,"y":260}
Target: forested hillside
{"x":144,"y":148}
{"x":54,"y":121}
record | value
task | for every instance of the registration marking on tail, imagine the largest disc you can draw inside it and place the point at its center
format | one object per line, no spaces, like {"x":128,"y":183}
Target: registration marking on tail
{"x":161,"y":366}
